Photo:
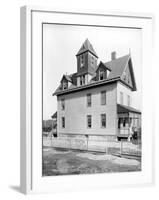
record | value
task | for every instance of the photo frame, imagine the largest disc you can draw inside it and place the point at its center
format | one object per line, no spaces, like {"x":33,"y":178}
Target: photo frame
{"x":32,"y":21}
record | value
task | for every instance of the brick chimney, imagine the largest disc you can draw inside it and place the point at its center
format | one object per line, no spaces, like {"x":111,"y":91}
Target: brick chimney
{"x":113,"y":55}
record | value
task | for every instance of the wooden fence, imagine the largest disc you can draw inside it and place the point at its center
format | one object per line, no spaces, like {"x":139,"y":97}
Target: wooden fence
{"x":108,"y":147}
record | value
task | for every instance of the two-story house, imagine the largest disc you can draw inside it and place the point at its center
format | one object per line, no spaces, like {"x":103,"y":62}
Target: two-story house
{"x":96,"y":100}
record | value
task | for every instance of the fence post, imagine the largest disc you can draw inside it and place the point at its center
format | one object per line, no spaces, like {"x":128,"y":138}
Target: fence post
{"x":121,"y":146}
{"x":87,"y":142}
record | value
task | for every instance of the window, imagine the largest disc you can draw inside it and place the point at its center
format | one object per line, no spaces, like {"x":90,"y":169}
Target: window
{"x":89,"y":100}
{"x":92,"y":60}
{"x":103,"y":120}
{"x":101,"y":75}
{"x":128,"y":79}
{"x":82,"y":80}
{"x":62,"y":104}
{"x":65,"y":85}
{"x":63,"y":122}
{"x":121,"y":97}
{"x":128,"y":100}
{"x":103,"y":97}
{"x":89,"y":121}
{"x":81,"y":61}
{"x":125,"y":122}
{"x":124,"y":76}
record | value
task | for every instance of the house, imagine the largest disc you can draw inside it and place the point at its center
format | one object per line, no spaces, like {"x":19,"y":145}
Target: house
{"x":47,"y":126}
{"x":96,"y":101}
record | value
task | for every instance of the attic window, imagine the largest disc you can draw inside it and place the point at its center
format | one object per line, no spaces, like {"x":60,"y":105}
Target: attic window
{"x":124,"y":76}
{"x":65,"y":85}
{"x":101,"y":75}
{"x":82,"y":80}
{"x":92,"y":60}
{"x":128,"y":79}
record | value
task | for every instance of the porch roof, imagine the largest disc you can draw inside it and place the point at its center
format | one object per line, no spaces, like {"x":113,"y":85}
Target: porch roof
{"x":127,"y":109}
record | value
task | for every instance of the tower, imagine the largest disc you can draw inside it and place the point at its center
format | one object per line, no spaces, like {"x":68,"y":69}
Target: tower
{"x":86,"y":59}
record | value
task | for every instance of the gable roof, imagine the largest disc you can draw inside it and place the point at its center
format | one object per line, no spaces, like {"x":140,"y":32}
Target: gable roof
{"x":116,"y":68}
{"x":67,"y":77}
{"x":54,"y":115}
{"x":87,"y":46}
{"x":104,"y":65}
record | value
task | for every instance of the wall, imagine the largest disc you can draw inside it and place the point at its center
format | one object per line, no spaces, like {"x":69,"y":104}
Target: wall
{"x":126,"y":91}
{"x":76,"y":111}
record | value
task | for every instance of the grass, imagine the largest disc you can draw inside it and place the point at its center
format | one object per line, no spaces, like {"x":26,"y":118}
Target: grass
{"x":65,"y":162}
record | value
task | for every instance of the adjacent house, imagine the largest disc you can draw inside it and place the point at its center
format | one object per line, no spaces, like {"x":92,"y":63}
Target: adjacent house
{"x":54,"y":124}
{"x":96,"y":100}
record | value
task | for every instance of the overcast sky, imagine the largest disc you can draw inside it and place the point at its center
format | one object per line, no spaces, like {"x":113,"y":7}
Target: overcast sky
{"x":62,"y":42}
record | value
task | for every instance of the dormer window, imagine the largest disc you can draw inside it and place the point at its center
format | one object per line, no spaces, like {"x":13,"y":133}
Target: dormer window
{"x":82,"y":80}
{"x":64,"y":85}
{"x":101,"y":75}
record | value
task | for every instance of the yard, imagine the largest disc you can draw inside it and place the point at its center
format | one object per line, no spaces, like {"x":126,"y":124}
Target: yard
{"x":63,"y":162}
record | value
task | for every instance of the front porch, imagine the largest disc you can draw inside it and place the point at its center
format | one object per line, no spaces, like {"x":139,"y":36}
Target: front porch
{"x":128,"y":121}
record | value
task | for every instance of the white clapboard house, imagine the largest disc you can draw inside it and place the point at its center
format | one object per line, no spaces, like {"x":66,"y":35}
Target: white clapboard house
{"x":96,"y":100}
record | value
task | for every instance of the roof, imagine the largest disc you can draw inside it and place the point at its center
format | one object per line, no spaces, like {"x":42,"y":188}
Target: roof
{"x":87,"y":46}
{"x":126,"y":109}
{"x":117,"y":66}
{"x":73,"y":88}
{"x":104,"y":65}
{"x":116,"y":69}
{"x":67,"y":77}
{"x":54,"y":115}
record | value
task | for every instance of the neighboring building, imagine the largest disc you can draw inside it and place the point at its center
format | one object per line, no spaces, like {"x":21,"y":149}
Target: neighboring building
{"x":47,"y":124}
{"x":96,"y":100}
{"x":54,"y":124}
{"x":47,"y":127}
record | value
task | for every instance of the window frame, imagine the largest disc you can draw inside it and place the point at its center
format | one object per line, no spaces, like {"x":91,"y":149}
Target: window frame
{"x":101,"y":72}
{"x":105,"y":117}
{"x":63,"y":104}
{"x":101,"y":99}
{"x":81,"y":61}
{"x":89,"y":97}
{"x":82,"y":80}
{"x":63,"y":122}
{"x":64,"y":85}
{"x":89,"y":117}
{"x":128,"y":100}
{"x":121,"y":98}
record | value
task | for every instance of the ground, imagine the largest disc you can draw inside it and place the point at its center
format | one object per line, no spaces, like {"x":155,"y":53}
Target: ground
{"x":64,"y":162}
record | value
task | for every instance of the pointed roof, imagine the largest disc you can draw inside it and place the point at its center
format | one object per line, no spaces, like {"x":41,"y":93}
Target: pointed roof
{"x":104,"y":65}
{"x":66,"y":77}
{"x":118,"y":66}
{"x":54,"y":115}
{"x":87,"y":46}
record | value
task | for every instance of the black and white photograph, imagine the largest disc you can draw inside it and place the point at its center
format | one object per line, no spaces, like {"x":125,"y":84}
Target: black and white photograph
{"x":92,"y":99}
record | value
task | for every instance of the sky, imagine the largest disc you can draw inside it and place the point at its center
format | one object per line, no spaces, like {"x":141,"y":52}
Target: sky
{"x":61,"y":44}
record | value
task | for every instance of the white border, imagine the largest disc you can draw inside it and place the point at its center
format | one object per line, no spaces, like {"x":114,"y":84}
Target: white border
{"x":31,"y":92}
